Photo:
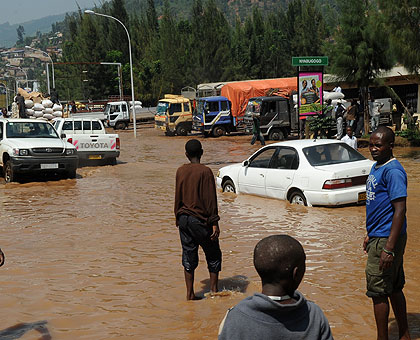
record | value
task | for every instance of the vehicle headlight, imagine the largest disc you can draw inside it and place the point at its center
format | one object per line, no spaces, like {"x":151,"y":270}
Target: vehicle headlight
{"x":20,"y":152}
{"x":70,"y":152}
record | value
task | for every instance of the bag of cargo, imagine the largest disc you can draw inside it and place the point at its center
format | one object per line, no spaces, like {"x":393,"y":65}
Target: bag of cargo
{"x":29,"y":104}
{"x":47,"y":103}
{"x":48,"y":110}
{"x":38,"y":107}
{"x":30,"y":112}
{"x":58,"y":114}
{"x":57,"y":107}
{"x":48,"y":116}
{"x":38,"y":114}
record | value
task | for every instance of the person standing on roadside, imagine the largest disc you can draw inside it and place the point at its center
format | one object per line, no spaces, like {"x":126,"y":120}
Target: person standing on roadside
{"x":340,"y":110}
{"x":375,"y":113}
{"x":386,"y":224}
{"x":21,"y":105}
{"x":197,"y":217}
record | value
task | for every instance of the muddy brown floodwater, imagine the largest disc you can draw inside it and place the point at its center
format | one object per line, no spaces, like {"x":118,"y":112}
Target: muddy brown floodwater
{"x":99,"y":257}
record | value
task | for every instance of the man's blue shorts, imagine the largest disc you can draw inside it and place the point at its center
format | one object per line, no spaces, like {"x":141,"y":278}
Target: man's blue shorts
{"x":194,"y":233}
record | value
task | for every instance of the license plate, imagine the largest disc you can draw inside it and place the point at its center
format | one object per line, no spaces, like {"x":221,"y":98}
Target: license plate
{"x":49,"y":166}
{"x":361,"y":197}
{"x":95,"y":157}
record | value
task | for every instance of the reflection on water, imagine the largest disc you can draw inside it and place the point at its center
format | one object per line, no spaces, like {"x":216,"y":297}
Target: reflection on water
{"x":99,"y":257}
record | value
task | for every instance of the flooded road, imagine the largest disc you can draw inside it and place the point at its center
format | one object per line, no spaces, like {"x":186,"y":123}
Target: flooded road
{"x":99,"y":257}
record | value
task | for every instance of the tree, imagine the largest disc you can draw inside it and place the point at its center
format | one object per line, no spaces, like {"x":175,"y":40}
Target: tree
{"x":20,"y":33}
{"x":403,"y":22}
{"x":362,"y":48}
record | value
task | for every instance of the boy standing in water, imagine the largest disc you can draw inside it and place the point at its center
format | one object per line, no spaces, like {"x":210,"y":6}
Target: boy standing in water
{"x":197,"y":217}
{"x":386,"y":224}
{"x":280,"y":311}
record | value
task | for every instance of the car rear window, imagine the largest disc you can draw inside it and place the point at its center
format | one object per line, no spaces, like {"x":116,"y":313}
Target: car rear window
{"x":334,"y":153}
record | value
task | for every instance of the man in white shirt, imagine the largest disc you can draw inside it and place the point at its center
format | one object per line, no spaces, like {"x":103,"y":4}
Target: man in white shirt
{"x":375,"y":108}
{"x":349,"y":139}
{"x":337,"y":88}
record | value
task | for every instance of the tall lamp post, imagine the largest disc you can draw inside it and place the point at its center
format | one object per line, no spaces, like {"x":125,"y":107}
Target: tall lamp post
{"x":52,"y":67}
{"x":88,"y":11}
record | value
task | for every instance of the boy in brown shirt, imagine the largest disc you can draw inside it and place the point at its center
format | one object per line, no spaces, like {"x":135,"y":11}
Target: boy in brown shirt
{"x":197,"y":217}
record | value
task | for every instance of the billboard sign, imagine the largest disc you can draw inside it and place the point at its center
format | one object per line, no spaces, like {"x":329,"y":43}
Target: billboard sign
{"x":310,"y":93}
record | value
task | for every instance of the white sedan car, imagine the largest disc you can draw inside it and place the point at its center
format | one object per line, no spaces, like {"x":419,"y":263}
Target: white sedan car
{"x":307,"y":172}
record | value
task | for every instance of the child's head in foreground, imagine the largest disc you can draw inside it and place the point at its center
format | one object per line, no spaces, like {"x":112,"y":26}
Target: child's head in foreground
{"x":280,"y":261}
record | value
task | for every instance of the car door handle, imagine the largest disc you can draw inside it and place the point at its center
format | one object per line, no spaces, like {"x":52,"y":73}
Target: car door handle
{"x":287,"y":177}
{"x":262,"y":175}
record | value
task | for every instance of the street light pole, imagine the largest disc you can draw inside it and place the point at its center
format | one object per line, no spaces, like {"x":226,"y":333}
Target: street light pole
{"x":52,"y":67}
{"x":131,"y":63}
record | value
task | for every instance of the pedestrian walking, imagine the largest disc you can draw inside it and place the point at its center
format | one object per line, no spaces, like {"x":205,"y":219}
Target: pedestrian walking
{"x":197,"y":217}
{"x":351,"y":114}
{"x":256,"y":130}
{"x":396,"y":116}
{"x":386,"y":224}
{"x":279,"y":311}
{"x":339,"y":114}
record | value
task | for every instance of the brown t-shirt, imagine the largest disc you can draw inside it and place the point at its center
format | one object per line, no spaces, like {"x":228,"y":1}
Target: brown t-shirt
{"x":195,"y":193}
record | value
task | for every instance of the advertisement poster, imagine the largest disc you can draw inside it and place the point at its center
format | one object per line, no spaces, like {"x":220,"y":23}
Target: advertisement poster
{"x":310,"y":93}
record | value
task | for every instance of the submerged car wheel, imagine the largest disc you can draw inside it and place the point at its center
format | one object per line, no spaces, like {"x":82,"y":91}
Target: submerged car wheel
{"x":297,"y":197}
{"x":228,"y":186}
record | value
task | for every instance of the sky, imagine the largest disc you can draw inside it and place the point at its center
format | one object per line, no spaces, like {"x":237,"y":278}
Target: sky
{"x":16,"y":12}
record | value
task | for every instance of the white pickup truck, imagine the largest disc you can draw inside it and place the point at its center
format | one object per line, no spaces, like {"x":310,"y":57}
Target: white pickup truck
{"x":32,"y":146}
{"x":89,"y":137}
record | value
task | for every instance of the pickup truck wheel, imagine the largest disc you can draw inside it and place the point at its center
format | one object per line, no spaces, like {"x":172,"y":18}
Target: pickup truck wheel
{"x":276,"y":134}
{"x":119,"y":126}
{"x":219,"y":131}
{"x":228,"y":186}
{"x":181,"y":130}
{"x":112,"y":161}
{"x":9,"y":175}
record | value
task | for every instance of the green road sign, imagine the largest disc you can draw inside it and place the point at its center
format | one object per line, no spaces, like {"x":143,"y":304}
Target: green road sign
{"x":309,"y":61}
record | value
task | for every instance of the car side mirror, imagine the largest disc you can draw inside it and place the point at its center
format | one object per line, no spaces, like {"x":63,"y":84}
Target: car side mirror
{"x":63,"y":135}
{"x":245,"y":163}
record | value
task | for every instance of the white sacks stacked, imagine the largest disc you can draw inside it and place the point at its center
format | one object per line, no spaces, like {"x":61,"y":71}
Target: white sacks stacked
{"x":38,"y":110}
{"x":57,"y":110}
{"x":137,"y":106}
{"x":48,"y":111}
{"x":28,"y":105}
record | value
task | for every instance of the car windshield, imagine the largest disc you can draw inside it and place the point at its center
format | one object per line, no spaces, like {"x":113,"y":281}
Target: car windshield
{"x":334,"y":153}
{"x":161,"y":108}
{"x":30,"y":130}
{"x":107,"y":109}
{"x":254,"y":106}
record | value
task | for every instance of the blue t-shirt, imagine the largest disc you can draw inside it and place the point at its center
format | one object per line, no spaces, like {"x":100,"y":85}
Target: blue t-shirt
{"x":384,"y":184}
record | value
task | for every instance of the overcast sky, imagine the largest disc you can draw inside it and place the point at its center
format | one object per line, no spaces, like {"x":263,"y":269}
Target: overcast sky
{"x":18,"y":11}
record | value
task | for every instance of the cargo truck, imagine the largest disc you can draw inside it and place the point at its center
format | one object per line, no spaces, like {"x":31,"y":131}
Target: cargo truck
{"x":212,"y":116}
{"x":174,"y":115}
